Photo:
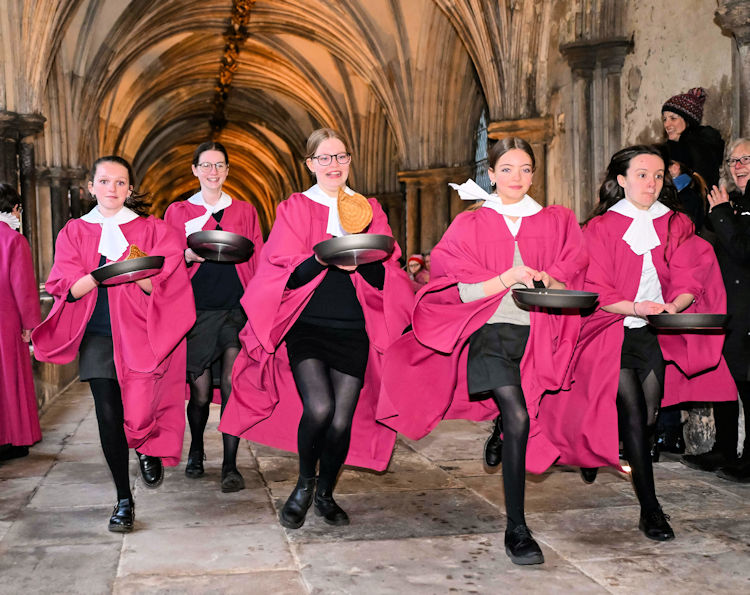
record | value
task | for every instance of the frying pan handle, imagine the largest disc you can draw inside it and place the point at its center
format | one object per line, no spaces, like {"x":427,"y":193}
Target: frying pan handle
{"x":538,"y":284}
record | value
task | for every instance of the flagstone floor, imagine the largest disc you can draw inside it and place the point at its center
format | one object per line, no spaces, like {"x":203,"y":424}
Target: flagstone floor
{"x":432,"y":523}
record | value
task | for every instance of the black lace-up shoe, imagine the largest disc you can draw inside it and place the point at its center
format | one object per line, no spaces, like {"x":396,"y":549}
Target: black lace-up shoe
{"x":655,"y":526}
{"x":521,"y":547}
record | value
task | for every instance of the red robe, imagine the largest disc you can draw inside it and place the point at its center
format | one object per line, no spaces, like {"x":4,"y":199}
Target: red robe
{"x":241,"y":218}
{"x":424,"y":379}
{"x":265,"y":406}
{"x":19,"y":309}
{"x":695,"y":369}
{"x":147,"y":330}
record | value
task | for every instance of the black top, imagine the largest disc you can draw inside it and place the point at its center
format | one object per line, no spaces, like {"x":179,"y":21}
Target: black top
{"x":99,"y":323}
{"x":334,"y":302}
{"x":731,"y":223}
{"x":216,"y":285}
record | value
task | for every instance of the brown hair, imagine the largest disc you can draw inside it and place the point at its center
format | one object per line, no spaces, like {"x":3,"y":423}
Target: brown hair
{"x":504,"y":145}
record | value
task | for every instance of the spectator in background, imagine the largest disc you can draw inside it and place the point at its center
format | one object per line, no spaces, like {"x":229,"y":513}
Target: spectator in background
{"x":729,"y":216}
{"x":19,"y":312}
{"x":681,"y":116}
{"x":418,"y":274}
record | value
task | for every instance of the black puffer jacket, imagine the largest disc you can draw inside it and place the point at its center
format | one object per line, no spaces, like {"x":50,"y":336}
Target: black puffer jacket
{"x":731,"y":224}
{"x":705,"y":148}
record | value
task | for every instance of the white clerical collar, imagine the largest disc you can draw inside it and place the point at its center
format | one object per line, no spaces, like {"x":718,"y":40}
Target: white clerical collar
{"x":470,"y":190}
{"x":112,"y":242}
{"x":197,"y":199}
{"x":641,"y":235}
{"x":11,"y":220}
{"x":316,"y":194}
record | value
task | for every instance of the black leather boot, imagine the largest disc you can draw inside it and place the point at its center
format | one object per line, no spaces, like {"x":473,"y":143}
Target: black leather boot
{"x":326,"y":507}
{"x":123,"y":516}
{"x":493,"y":448}
{"x":152,"y":470}
{"x":293,"y":514}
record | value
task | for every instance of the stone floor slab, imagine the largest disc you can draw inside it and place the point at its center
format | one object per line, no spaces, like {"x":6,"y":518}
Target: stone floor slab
{"x":202,"y":550}
{"x":74,"y":495}
{"x":66,"y":472}
{"x":455,"y":564}
{"x":36,"y":464}
{"x":282,"y":582}
{"x":399,"y":515}
{"x":34,"y":527}
{"x":203,"y":509}
{"x":686,"y":574}
{"x":457,"y":439}
{"x":60,"y":569}
{"x":16,"y":494}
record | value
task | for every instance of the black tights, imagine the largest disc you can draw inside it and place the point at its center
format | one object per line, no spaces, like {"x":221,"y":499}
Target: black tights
{"x":329,"y":398}
{"x":200,"y":401}
{"x":637,"y":408}
{"x":515,"y":416}
{"x":109,"y":416}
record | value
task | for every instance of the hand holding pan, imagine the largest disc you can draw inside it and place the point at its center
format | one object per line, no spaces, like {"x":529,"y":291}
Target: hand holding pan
{"x":544,"y":297}
{"x":125,"y":271}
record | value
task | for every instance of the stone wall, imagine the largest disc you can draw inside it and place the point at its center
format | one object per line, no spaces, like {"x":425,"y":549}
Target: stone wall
{"x":677,"y":46}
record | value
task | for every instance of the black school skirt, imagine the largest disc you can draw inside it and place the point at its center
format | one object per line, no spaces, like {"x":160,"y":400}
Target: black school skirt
{"x":641,"y":352}
{"x":342,"y":349}
{"x":213,"y":333}
{"x":96,"y":358}
{"x":495,"y":352}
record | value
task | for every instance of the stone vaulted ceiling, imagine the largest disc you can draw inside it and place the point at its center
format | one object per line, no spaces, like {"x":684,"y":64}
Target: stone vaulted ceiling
{"x":405,"y":80}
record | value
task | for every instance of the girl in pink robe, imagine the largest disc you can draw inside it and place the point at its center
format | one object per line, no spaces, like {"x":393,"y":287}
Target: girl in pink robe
{"x":132,"y":346}
{"x":19,"y":313}
{"x":644,"y":259}
{"x":218,"y":286}
{"x":308,"y":376}
{"x":480,"y":354}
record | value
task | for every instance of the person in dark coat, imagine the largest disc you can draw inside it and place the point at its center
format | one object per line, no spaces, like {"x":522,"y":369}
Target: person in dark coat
{"x":681,"y":117}
{"x":729,"y":216}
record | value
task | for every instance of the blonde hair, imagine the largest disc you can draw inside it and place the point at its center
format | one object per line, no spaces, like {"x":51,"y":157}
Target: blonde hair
{"x":320,"y":135}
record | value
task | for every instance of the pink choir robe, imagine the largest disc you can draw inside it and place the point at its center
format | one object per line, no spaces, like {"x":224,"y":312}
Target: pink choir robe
{"x":19,"y":309}
{"x":695,"y":369}
{"x":265,"y":406}
{"x":424,"y":378}
{"x":241,"y":218}
{"x":147,"y":330}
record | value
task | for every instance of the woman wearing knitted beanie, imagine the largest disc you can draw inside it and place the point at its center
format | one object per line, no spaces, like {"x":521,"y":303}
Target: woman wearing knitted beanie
{"x":681,"y":116}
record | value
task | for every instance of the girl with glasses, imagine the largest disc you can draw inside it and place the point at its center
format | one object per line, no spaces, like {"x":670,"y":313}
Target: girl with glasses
{"x":213,"y":342}
{"x":308,"y":376}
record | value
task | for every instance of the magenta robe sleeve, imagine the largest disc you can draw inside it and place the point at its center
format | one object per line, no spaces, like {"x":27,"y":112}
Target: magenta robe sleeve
{"x":58,"y":338}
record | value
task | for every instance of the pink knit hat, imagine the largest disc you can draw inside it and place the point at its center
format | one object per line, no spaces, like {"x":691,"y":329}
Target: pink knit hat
{"x":688,"y":105}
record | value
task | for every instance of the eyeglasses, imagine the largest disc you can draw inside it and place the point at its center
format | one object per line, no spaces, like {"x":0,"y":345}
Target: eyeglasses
{"x":206,"y":166}
{"x":341,"y":158}
{"x":744,"y":160}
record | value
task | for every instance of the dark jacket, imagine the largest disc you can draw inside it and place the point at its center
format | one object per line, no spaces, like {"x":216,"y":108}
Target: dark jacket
{"x":704,"y":148}
{"x":731,"y":224}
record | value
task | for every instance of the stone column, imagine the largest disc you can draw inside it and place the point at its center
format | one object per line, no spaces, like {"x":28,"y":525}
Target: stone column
{"x":595,"y":120}
{"x":29,"y":126}
{"x":394,"y":207}
{"x":538,"y":132}
{"x":429,"y":204}
{"x":58,"y":190}
{"x":9,"y":148}
{"x":734,"y":17}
